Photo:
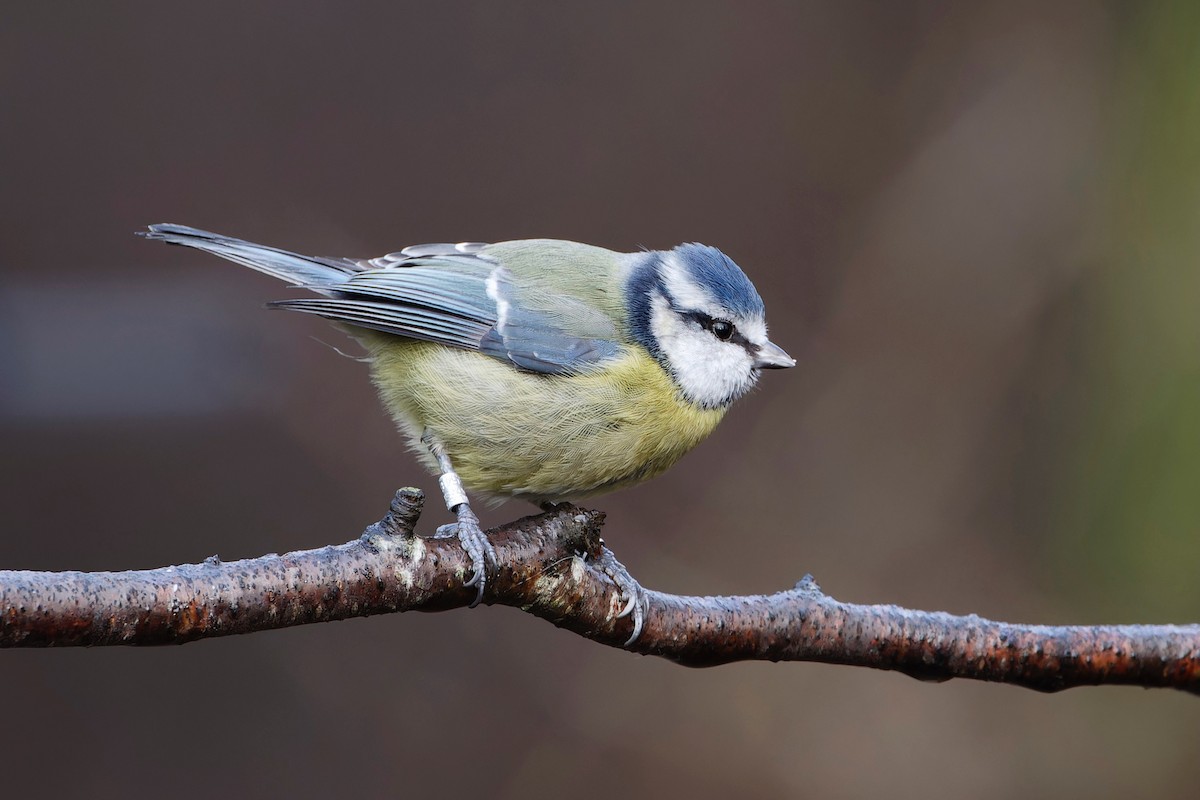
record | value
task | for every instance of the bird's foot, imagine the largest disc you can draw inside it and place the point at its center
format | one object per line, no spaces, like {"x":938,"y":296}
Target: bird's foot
{"x":476,"y":545}
{"x":636,"y":600}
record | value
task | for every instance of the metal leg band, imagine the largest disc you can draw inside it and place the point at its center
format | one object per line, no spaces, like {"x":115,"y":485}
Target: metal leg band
{"x":452,"y":490}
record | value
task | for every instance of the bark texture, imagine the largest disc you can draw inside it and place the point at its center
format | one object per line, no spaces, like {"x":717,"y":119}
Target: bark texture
{"x":547,"y":567}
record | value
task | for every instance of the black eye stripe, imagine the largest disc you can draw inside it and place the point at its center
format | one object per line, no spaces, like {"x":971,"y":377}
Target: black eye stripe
{"x":700,"y":318}
{"x":707,"y":322}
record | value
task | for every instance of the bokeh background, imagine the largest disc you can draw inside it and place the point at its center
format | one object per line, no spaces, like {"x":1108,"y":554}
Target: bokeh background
{"x":976,"y":225}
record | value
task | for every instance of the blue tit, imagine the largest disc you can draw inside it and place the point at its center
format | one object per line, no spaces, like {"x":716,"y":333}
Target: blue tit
{"x":542,"y":369}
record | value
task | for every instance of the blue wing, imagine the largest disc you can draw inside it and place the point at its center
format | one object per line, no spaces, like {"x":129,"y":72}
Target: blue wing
{"x":561,"y":335}
{"x":445,"y":303}
{"x":470,"y":303}
{"x":451,"y":294}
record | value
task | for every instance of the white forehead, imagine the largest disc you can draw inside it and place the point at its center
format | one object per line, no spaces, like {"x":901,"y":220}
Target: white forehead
{"x":691,"y":295}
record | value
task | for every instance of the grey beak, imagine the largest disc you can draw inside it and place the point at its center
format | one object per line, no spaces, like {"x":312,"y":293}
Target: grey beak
{"x":772,"y":356}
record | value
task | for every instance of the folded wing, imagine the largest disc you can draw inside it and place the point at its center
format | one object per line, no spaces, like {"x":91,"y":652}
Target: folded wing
{"x":450,"y":294}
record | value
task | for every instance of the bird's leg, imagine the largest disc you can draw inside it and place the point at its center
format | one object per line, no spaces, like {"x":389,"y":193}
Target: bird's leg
{"x":636,"y":601}
{"x":470,"y":535}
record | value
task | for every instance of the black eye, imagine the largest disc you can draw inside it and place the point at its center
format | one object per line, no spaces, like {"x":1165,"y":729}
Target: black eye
{"x":722,"y":329}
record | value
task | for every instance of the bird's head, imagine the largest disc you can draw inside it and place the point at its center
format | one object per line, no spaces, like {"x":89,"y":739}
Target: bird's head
{"x":702,"y":319}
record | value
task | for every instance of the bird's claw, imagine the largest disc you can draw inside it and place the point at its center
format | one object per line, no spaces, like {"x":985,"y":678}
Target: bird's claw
{"x":628,"y":607}
{"x":636,"y":600}
{"x":475,"y":544}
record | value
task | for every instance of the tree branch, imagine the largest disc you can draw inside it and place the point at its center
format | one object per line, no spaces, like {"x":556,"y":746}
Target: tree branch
{"x":546,"y":568}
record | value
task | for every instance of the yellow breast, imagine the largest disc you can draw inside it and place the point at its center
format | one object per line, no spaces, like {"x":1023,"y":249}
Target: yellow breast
{"x":544,"y":437}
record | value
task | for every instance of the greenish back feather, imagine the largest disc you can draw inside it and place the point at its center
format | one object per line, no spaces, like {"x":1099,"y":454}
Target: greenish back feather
{"x":550,"y":268}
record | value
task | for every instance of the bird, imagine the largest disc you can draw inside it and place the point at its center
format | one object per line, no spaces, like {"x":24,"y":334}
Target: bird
{"x":541,"y":369}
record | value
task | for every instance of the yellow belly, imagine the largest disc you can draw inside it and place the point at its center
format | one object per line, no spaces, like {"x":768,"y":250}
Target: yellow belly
{"x":543,"y":437}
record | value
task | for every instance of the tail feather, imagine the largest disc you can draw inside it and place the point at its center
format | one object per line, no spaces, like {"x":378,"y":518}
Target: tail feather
{"x":310,"y":272}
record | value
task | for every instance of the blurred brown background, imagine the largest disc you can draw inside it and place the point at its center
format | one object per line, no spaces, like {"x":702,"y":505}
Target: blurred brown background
{"x":974,"y":224}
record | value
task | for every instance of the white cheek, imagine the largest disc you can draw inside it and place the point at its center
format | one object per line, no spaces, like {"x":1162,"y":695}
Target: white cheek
{"x":711,"y":373}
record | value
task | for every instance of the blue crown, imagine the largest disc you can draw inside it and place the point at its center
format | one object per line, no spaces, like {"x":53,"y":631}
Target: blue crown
{"x":716,"y":272}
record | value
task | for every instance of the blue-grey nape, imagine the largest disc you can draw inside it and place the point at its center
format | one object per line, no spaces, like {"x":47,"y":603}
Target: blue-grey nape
{"x":645,"y":279}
